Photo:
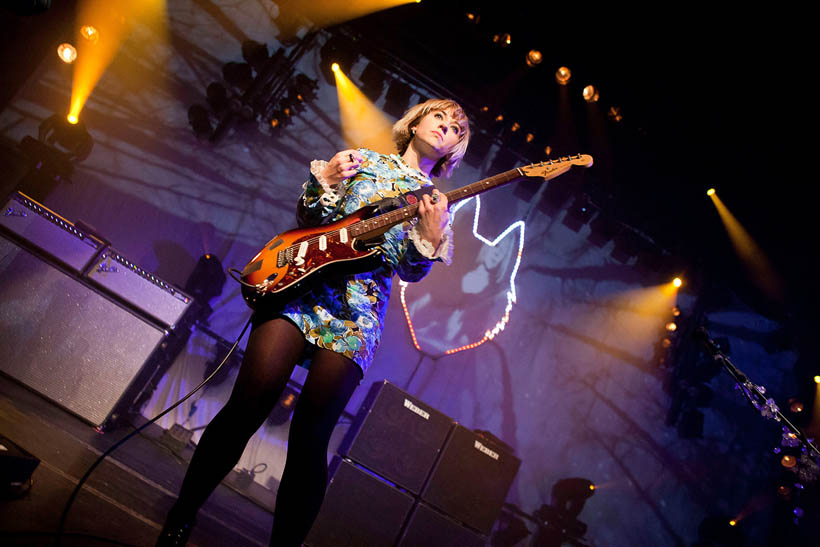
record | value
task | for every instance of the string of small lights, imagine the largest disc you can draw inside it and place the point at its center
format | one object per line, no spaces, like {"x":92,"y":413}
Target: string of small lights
{"x":489,"y":334}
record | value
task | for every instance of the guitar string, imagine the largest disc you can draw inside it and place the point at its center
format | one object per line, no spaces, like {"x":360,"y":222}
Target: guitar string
{"x":465,"y":189}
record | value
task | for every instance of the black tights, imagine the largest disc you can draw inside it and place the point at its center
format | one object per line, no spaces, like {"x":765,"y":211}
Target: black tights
{"x":273,"y":348}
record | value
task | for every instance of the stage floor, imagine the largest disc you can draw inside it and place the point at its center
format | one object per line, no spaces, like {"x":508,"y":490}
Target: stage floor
{"x":125,"y":499}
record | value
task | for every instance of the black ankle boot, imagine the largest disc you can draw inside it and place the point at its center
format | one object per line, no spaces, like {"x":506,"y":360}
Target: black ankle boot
{"x":175,"y":533}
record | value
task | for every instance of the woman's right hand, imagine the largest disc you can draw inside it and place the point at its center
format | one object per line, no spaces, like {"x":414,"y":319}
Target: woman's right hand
{"x":343,"y":165}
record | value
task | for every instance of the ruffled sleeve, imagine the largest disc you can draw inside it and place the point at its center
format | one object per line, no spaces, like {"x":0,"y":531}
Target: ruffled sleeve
{"x":320,"y":200}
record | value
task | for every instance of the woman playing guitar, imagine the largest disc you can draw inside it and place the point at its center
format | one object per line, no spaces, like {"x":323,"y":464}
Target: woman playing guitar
{"x":334,"y":329}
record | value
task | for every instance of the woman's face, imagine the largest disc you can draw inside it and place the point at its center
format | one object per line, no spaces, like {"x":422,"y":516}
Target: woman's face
{"x":439,"y":130}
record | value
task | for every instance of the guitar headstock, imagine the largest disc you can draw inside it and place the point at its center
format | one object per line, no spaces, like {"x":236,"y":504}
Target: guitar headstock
{"x":552,"y":168}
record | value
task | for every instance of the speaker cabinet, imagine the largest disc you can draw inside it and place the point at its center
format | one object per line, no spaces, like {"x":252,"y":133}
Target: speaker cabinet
{"x":68,"y":342}
{"x":396,"y":436}
{"x":426,"y":527}
{"x":359,"y":509}
{"x":471,"y":479}
{"x":33,"y":224}
{"x":141,"y":290}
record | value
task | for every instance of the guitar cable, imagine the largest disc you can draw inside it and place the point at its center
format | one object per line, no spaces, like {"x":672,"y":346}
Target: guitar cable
{"x":64,"y":516}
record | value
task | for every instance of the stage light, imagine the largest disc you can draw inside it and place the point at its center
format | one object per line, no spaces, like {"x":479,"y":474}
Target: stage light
{"x":238,"y":74}
{"x":529,"y":138}
{"x":70,"y":138}
{"x":502,"y":40}
{"x":548,"y":150}
{"x":591,"y":94}
{"x":90,"y":33}
{"x":788,"y":461}
{"x":534,"y":57}
{"x":67,"y":53}
{"x":614,"y":114}
{"x":255,"y":54}
{"x":199,"y":120}
{"x":675,"y":311}
{"x":515,"y":127}
{"x":337,"y":52}
{"x":563,"y":75}
{"x":710,"y":192}
{"x":570,"y":495}
{"x":205,"y":283}
{"x":372,"y":79}
{"x":671,"y":326}
{"x":795,"y":405}
{"x":217,"y":96}
{"x":72,"y":119}
{"x":473,"y":17}
{"x":397,"y":98}
{"x":732,"y":522}
{"x":677,"y":282}
{"x":817,"y":379}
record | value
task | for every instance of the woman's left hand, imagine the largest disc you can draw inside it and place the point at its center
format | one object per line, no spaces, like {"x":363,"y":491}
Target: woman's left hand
{"x":433,"y":217}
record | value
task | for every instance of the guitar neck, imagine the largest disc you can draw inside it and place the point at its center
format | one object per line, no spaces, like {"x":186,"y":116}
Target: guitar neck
{"x":383,"y":222}
{"x":546,"y":170}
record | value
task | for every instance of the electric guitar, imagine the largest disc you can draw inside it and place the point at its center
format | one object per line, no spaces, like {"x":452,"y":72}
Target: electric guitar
{"x":292,"y":262}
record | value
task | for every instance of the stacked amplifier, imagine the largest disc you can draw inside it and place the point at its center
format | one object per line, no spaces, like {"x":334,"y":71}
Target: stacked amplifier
{"x":410,"y":476}
{"x":82,"y":325}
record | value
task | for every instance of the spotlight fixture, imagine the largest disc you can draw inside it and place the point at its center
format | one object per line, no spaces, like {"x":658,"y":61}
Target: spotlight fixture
{"x":255,"y":54}
{"x":397,"y":98}
{"x":534,"y":57}
{"x":67,"y":53}
{"x":591,"y":94}
{"x":72,"y":139}
{"x":788,"y":461}
{"x":372,"y":80}
{"x":671,"y":326}
{"x":614,"y":114}
{"x":473,"y":18}
{"x":677,"y":282}
{"x":90,"y":33}
{"x":502,"y":40}
{"x":304,"y":88}
{"x":238,"y":74}
{"x":217,"y":96}
{"x":336,"y":51}
{"x":710,"y":192}
{"x":548,"y":150}
{"x":563,"y":75}
{"x":795,"y":405}
{"x":199,"y":120}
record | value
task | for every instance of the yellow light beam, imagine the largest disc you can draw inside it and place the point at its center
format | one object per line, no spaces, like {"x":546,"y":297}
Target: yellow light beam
{"x":323,"y":13}
{"x":113,"y":21}
{"x":749,"y":252}
{"x":363,"y":124}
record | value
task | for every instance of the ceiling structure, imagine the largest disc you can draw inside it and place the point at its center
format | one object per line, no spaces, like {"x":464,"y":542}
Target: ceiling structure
{"x":708,"y":99}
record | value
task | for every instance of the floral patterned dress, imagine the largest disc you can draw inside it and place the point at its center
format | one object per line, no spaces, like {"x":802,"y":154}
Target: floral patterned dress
{"x":347,"y":316}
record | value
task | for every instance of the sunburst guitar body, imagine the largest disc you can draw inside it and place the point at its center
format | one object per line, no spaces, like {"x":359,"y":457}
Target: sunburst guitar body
{"x":294,"y":261}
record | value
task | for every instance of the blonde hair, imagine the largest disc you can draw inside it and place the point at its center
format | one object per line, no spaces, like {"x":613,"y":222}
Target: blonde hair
{"x":403,"y":134}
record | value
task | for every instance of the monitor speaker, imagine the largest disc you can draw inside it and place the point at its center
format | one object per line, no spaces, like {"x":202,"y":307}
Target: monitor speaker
{"x":359,"y":509}
{"x":427,"y":527}
{"x":471,"y":479}
{"x":396,"y":436}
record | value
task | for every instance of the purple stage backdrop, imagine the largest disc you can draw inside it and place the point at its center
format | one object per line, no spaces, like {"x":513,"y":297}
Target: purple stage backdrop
{"x":570,"y":383}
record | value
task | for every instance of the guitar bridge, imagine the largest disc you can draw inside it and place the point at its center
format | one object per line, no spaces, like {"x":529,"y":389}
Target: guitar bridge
{"x":284,"y":257}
